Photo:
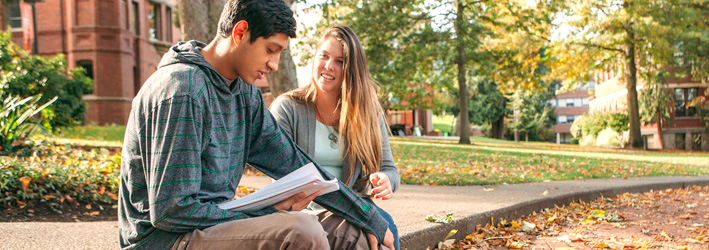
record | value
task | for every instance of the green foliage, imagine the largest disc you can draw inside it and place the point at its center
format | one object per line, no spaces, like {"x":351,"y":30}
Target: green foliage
{"x":592,"y":124}
{"x":656,"y":100}
{"x":532,"y":114}
{"x":618,"y":122}
{"x":574,"y":141}
{"x":577,"y":127}
{"x":18,"y":122}
{"x":28,"y":75}
{"x":69,"y":176}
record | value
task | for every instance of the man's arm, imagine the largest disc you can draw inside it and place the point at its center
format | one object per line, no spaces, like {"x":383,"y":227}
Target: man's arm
{"x":275,"y":154}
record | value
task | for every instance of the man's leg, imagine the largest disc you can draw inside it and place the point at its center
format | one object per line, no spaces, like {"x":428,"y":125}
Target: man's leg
{"x":341,"y":234}
{"x":282,"y":230}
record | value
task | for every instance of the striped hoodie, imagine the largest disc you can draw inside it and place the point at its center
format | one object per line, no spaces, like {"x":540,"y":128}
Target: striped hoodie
{"x":189,"y":135}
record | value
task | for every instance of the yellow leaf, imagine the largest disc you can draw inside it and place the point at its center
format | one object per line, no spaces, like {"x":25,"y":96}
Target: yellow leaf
{"x":514,"y":224}
{"x":515,"y":245}
{"x":551,"y":219}
{"x":601,"y":245}
{"x":25,"y":181}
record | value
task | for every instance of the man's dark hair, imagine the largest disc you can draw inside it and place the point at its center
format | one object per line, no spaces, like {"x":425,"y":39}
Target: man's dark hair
{"x":265,"y":18}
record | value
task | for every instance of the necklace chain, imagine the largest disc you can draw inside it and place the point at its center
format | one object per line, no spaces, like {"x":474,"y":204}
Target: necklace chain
{"x":332,"y":136}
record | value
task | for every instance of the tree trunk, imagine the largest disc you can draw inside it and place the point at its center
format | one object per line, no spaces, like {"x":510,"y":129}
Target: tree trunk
{"x":631,"y":83}
{"x":3,"y":17}
{"x":497,"y":129}
{"x":660,"y":139}
{"x":285,"y":78}
{"x":631,"y":79}
{"x":462,"y":87}
{"x":199,"y":21}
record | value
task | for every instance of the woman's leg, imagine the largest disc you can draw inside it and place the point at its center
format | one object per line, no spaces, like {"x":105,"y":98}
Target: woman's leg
{"x":392,"y":226}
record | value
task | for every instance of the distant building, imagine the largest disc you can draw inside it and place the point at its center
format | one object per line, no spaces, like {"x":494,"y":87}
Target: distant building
{"x":568,"y":107}
{"x":118,"y":42}
{"x":687,"y":132}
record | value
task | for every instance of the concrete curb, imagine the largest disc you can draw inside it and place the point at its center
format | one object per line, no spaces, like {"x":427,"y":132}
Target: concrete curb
{"x":431,"y":236}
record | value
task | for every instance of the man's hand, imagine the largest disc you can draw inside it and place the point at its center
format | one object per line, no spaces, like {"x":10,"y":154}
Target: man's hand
{"x":388,"y":240}
{"x":382,"y":186}
{"x":296,"y":202}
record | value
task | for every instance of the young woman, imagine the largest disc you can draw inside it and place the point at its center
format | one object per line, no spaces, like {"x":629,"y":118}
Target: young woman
{"x":337,"y":119}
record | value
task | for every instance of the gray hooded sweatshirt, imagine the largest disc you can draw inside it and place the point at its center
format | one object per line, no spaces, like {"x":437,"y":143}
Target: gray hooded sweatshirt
{"x":189,"y":135}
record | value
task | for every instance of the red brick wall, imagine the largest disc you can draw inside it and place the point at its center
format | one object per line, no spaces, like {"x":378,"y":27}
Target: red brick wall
{"x":99,"y":31}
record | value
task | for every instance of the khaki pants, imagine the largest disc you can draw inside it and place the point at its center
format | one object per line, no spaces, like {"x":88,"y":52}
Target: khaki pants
{"x":282,"y":230}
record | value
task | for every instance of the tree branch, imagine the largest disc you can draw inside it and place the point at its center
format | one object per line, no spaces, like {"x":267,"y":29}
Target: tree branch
{"x":599,"y":47}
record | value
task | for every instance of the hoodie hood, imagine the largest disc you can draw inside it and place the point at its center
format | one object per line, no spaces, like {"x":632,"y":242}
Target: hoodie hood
{"x":191,"y":53}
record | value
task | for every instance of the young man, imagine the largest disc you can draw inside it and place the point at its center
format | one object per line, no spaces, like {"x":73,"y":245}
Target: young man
{"x":196,"y":122}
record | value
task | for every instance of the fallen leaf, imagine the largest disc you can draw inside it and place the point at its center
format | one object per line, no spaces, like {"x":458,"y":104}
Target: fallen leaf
{"x":25,"y":182}
{"x":601,"y":245}
{"x":684,"y":217}
{"x":515,"y":245}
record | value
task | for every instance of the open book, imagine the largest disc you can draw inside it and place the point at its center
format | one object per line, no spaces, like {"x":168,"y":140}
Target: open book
{"x":306,"y":179}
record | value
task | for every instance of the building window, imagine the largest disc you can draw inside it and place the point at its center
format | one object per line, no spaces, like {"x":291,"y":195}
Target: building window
{"x":561,"y":119}
{"x":14,"y":16}
{"x":696,"y":141}
{"x":154,"y":21}
{"x":168,"y":24}
{"x":135,"y":18}
{"x":569,"y":102}
{"x":88,"y":65}
{"x":683,"y":101}
{"x":680,"y":142}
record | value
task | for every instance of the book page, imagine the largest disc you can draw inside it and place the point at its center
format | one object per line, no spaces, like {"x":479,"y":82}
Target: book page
{"x":306,"y":179}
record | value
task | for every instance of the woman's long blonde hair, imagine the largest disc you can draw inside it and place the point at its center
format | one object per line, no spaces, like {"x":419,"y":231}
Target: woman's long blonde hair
{"x":360,"y":114}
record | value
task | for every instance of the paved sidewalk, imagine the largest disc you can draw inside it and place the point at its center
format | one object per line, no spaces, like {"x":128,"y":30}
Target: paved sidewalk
{"x":470,"y":205}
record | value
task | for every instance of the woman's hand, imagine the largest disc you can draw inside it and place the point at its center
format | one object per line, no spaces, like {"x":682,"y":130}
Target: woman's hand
{"x":382,"y":186}
{"x":296,"y":202}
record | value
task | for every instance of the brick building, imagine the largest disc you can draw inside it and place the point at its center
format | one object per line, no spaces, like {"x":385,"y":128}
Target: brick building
{"x":687,"y":132}
{"x":119,"y":42}
{"x":568,"y":107}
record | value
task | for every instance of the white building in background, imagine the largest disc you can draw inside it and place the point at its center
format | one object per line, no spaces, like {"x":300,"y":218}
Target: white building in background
{"x":568,"y":107}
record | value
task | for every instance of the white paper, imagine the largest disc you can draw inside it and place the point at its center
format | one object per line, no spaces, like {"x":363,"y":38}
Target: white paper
{"x":306,"y":179}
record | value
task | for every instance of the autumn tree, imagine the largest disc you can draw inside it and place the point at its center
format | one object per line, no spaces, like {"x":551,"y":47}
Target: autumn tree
{"x":198,"y":21}
{"x":656,"y":104}
{"x":630,"y":36}
{"x":531,"y":112}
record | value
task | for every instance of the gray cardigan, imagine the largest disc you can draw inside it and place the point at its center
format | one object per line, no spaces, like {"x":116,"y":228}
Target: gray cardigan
{"x":298,"y":120}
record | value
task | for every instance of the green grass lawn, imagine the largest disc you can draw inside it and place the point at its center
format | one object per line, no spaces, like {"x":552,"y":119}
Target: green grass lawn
{"x":91,"y":135}
{"x":440,"y":162}
{"x":443,"y":123}
{"x":488,"y":161}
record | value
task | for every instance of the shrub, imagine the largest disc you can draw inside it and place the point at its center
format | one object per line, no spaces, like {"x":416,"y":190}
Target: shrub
{"x":575,"y":141}
{"x":27,"y":75}
{"x":17,"y":121}
{"x":69,"y":176}
{"x":608,"y":138}
{"x":618,"y":122}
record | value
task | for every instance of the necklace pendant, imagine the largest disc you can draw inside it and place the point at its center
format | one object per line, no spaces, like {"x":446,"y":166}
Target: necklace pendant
{"x":333,"y":141}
